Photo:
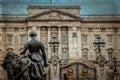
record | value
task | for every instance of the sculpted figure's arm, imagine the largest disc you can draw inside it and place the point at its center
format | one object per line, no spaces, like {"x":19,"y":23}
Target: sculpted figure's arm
{"x":24,"y":49}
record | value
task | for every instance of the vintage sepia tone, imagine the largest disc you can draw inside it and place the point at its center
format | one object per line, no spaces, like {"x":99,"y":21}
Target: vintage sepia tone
{"x":75,"y":33}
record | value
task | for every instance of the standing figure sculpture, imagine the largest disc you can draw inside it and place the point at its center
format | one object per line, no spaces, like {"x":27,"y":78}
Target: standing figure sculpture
{"x":37,"y":56}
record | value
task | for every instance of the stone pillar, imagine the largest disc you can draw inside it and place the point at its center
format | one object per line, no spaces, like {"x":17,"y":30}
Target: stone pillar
{"x":79,"y":43}
{"x":59,"y":39}
{"x":116,"y":41}
{"x":70,"y":40}
{"x":38,"y":33}
{"x":49,"y":48}
{"x":91,"y":55}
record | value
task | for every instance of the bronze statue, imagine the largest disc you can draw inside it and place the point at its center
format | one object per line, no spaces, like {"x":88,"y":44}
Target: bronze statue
{"x":30,"y":67}
{"x":37,"y":56}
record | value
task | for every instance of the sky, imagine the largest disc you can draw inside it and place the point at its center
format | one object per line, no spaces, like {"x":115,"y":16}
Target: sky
{"x":88,"y":7}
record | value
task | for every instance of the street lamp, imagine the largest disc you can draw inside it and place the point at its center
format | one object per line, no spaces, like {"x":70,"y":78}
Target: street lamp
{"x":99,"y":43}
{"x":115,"y":71}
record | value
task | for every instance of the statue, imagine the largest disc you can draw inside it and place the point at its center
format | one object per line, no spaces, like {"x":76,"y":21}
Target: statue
{"x":30,"y":67}
{"x":37,"y":56}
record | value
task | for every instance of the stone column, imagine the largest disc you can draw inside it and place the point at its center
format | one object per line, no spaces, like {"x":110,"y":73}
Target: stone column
{"x":38,"y":33}
{"x":70,"y":40}
{"x":59,"y":39}
{"x":49,"y":48}
{"x":79,"y":43}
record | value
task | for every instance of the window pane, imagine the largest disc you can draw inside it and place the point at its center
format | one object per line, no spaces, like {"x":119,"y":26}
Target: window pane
{"x":110,"y":56}
{"x":109,"y":39}
{"x":22,"y":39}
{"x":64,"y":39}
{"x":85,"y":56}
{"x":84,"y":39}
{"x":9,"y":39}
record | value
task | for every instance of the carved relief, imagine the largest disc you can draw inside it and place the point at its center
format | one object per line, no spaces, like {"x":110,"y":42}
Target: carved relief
{"x":54,"y":15}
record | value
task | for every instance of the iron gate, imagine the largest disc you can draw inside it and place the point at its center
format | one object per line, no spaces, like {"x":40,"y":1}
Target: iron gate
{"x":77,"y":71}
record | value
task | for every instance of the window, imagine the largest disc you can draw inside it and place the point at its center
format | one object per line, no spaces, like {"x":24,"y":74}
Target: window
{"x":84,"y":39}
{"x":109,"y":39}
{"x":9,"y":39}
{"x":22,"y":39}
{"x":110,"y":56}
{"x":64,"y":39}
{"x":85,"y":56}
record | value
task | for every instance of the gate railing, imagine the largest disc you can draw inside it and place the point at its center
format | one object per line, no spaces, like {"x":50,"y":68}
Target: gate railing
{"x":77,"y":71}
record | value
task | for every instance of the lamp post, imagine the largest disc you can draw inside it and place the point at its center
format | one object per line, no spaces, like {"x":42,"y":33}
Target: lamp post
{"x":115,"y":71}
{"x":54,"y":44}
{"x":100,"y":60}
{"x":99,"y":43}
{"x":54,"y":66}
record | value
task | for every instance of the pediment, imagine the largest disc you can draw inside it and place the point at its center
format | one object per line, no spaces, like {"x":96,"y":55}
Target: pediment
{"x":54,"y":15}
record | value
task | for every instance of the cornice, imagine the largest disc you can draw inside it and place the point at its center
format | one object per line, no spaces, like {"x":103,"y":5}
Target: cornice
{"x":100,"y":21}
{"x":53,"y":7}
{"x":90,"y":19}
{"x":13,"y":19}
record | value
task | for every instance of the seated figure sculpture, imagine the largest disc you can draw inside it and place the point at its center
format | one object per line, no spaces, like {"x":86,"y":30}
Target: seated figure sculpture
{"x":37,"y":56}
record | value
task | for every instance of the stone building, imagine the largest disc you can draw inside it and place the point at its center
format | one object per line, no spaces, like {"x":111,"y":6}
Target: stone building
{"x":75,"y":32}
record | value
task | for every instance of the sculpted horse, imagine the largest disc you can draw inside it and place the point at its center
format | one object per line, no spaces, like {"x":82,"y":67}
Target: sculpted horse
{"x":17,"y":68}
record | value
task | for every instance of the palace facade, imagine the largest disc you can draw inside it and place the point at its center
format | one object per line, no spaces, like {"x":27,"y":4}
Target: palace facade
{"x":75,"y":33}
